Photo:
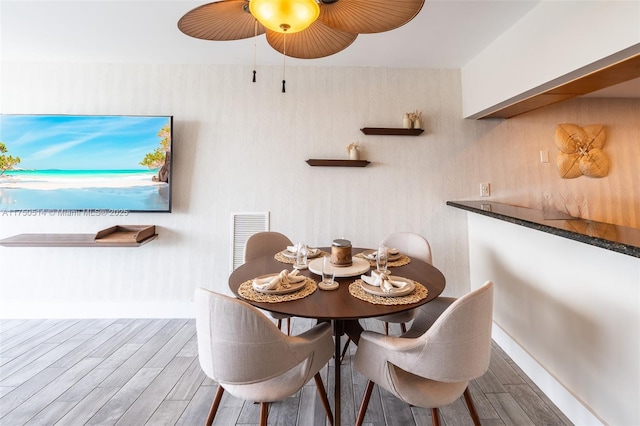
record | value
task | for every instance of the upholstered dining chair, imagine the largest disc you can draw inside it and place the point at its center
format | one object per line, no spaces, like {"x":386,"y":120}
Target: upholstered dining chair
{"x":250,"y":358}
{"x":413,"y":245}
{"x":431,"y":366}
{"x":263,"y":244}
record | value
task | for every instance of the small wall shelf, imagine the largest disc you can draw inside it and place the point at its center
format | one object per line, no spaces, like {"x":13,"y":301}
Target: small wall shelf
{"x":391,"y":131}
{"x":337,"y":163}
{"x":116,"y":236}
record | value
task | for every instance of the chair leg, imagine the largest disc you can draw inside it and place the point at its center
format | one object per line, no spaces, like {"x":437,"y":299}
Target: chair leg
{"x":471,"y":406}
{"x":288,"y":326}
{"x":365,"y":403}
{"x":279,"y":324}
{"x":403,"y":327}
{"x":215,"y":405}
{"x":386,"y":328}
{"x":264,"y":413}
{"x":435,"y":417}
{"x":323,"y":397}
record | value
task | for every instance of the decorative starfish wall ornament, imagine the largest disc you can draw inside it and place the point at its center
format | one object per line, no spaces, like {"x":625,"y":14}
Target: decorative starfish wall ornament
{"x":581,"y":151}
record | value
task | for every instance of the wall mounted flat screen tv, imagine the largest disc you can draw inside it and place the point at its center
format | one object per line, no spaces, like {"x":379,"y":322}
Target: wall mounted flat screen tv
{"x":91,"y":163}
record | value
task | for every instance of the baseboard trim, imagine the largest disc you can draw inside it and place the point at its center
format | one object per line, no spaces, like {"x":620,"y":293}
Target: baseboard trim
{"x":91,"y":310}
{"x":570,"y":406}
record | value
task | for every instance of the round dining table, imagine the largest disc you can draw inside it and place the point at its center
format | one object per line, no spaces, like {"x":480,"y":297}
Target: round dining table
{"x":337,"y":306}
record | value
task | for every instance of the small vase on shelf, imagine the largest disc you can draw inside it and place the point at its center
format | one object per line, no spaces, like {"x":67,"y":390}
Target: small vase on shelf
{"x":406,"y":122}
{"x":417,"y":124}
{"x":353,"y":151}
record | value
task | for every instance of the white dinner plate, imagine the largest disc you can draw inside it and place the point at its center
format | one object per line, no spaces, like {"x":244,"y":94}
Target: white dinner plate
{"x":359,"y":266}
{"x":371,"y":255}
{"x":290,"y":255}
{"x":377,"y":291}
{"x":280,"y":290}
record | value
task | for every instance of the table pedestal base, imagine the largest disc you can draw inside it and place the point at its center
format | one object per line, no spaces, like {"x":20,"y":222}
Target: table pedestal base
{"x":353,"y":329}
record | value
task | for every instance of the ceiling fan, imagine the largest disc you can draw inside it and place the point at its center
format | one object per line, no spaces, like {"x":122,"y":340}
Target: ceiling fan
{"x":327,"y":26}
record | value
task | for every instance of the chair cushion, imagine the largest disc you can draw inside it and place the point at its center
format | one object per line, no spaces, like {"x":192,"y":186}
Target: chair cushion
{"x":422,"y":392}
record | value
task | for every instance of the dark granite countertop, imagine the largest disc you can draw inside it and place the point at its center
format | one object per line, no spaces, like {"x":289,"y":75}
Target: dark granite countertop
{"x":616,"y":238}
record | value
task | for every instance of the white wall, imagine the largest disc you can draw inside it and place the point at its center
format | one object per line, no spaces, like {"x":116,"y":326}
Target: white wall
{"x":241,"y":147}
{"x":553,"y":39}
{"x":572,"y":309}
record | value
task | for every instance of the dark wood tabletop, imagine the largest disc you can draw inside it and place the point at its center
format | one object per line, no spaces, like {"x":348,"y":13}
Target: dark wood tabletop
{"x":337,"y":304}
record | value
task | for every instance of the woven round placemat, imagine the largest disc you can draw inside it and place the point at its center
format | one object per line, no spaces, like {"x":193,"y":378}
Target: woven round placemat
{"x":417,"y":295}
{"x":246,"y":291}
{"x":284,"y":259}
{"x":403,"y":260}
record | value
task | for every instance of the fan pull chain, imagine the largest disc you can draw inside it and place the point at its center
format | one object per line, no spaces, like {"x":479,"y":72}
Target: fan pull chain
{"x":255,"y":47}
{"x":284,"y":60}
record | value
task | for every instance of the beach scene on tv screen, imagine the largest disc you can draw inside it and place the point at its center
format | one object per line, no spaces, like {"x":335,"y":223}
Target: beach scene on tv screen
{"x":65,"y":162}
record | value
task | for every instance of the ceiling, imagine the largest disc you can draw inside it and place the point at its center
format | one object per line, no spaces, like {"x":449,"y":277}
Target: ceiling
{"x":445,"y":34}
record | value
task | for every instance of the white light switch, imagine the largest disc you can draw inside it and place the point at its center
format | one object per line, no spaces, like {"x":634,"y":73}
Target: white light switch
{"x":544,"y":156}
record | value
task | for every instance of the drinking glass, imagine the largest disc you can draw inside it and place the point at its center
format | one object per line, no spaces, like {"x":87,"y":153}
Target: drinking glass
{"x":328,"y":271}
{"x":381,"y":259}
{"x":301,"y":256}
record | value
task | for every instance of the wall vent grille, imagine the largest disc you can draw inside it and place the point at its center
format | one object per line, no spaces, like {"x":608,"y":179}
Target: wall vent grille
{"x":244,"y":225}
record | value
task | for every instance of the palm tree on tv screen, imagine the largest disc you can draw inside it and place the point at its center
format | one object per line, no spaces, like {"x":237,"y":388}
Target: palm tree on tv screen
{"x":7,"y":162}
{"x":160,"y":158}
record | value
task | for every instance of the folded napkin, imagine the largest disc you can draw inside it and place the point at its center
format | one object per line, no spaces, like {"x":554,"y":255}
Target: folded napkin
{"x":371,"y":255}
{"x":283,"y":280}
{"x":310,"y":251}
{"x":390,"y":252}
{"x":383,"y":281}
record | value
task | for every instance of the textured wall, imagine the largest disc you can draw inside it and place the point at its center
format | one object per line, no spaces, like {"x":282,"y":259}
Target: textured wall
{"x":241,"y":147}
{"x":509,"y":157}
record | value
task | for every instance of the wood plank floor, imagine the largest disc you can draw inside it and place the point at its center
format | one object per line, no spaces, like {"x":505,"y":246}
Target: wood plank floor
{"x":146,"y":372}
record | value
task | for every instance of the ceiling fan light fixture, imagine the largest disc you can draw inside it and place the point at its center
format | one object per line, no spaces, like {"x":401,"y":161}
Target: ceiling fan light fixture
{"x":285,"y":16}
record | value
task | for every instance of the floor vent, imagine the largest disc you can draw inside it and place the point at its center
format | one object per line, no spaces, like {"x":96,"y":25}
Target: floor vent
{"x":244,"y":225}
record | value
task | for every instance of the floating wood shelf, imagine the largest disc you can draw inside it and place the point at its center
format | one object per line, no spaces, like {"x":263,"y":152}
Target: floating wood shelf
{"x":390,"y":131}
{"x":116,"y":236}
{"x":337,"y":163}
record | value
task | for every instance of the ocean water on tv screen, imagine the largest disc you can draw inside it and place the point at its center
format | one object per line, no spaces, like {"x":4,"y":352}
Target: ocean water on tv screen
{"x":126,"y":190}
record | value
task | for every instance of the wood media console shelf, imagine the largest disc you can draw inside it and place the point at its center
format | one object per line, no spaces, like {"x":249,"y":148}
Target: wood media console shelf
{"x":115,"y":236}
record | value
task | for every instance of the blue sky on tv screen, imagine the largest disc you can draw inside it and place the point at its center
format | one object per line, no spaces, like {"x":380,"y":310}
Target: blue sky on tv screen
{"x":80,"y":142}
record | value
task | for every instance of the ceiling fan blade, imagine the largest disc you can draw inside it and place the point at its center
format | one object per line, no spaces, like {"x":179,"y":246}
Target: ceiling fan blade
{"x":221,"y":20}
{"x":368,"y":16}
{"x":317,"y":41}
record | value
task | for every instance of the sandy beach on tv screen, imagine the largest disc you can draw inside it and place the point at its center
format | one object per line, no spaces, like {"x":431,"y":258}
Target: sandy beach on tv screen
{"x":25,"y":182}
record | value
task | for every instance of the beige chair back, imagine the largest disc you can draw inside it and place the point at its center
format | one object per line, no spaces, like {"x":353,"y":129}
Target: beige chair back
{"x":238,"y":344}
{"x":265,"y":243}
{"x":411,"y":244}
{"x":457,"y":347}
